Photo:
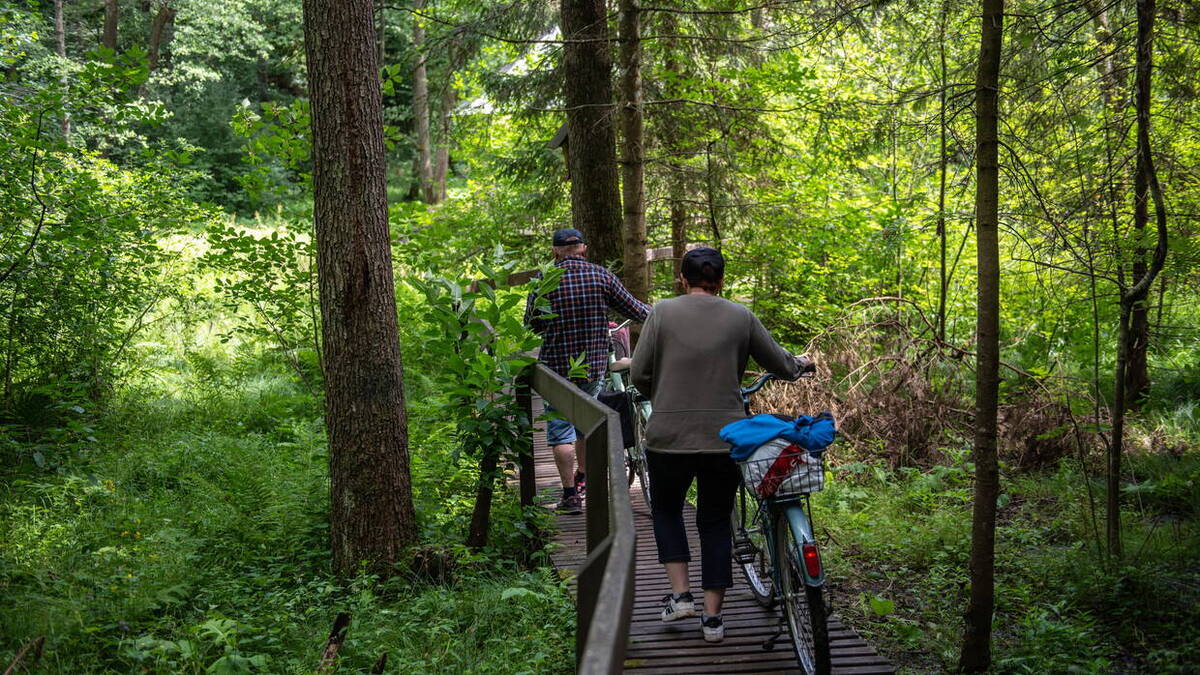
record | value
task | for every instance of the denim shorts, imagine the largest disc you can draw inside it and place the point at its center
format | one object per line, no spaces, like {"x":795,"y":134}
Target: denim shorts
{"x":558,"y":430}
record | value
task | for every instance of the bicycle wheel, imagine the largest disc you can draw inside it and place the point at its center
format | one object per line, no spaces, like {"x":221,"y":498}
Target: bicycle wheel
{"x":750,"y":548}
{"x":803,"y":605}
{"x":640,"y":466}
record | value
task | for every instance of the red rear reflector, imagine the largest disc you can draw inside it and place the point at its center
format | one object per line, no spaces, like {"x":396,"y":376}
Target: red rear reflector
{"x":812,"y":561}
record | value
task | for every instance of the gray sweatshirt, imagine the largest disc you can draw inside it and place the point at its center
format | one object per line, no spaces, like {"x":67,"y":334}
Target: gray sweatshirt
{"x":690,"y":359}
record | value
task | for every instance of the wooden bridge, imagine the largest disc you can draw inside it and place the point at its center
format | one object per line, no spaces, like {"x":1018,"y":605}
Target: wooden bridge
{"x":620,"y":582}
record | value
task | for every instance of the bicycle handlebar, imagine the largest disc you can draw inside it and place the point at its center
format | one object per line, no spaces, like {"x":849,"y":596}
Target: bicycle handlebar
{"x":758,"y":384}
{"x":623,"y":324}
{"x":808,"y":369}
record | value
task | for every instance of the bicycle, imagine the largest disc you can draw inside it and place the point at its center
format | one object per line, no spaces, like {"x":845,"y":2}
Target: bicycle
{"x":635,"y":455}
{"x":774,"y":545}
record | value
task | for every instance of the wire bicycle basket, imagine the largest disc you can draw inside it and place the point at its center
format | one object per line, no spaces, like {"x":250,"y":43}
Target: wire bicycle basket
{"x":780,"y":468}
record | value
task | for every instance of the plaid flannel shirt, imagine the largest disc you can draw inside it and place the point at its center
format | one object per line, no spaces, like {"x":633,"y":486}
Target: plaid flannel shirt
{"x":584,"y":295}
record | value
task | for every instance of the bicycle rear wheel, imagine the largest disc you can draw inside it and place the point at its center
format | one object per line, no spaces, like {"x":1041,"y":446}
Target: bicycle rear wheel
{"x":803,"y":605}
{"x":750,"y":548}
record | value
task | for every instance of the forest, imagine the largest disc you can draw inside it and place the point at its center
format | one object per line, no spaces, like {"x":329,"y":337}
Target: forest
{"x":248,"y":249}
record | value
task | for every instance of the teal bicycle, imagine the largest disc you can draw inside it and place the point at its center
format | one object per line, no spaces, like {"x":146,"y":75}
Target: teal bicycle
{"x":774,"y":545}
{"x":635,"y":454}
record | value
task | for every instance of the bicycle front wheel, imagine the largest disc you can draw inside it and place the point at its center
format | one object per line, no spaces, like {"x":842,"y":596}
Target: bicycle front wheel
{"x":803,"y":605}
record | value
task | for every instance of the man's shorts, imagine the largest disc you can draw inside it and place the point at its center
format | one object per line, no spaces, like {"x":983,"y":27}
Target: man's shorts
{"x":558,"y":430}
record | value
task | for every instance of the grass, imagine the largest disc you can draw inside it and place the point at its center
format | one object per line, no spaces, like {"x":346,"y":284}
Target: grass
{"x":899,"y":544}
{"x":184,"y":530}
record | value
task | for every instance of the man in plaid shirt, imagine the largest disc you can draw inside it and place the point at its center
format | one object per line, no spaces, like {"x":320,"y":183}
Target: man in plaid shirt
{"x":580,"y":304}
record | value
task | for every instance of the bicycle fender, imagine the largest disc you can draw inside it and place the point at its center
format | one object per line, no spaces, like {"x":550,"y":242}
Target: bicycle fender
{"x":803,"y":533}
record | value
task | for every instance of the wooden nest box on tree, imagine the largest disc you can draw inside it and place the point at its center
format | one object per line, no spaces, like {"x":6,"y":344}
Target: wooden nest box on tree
{"x":560,"y":141}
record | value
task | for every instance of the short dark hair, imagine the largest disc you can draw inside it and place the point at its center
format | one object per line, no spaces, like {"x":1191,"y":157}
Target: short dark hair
{"x":703,"y":268}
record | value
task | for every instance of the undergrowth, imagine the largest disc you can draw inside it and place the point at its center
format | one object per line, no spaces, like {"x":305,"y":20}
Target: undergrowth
{"x":187,"y":532}
{"x":898,"y":543}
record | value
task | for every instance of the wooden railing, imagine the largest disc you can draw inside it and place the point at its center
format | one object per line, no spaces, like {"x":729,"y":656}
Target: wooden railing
{"x":606,"y":578}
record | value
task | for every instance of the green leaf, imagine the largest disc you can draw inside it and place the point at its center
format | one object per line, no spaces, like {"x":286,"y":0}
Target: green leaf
{"x":517,"y":592}
{"x":881,"y":606}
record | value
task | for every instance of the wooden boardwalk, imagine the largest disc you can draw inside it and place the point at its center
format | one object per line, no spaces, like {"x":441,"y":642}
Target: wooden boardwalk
{"x":657,"y":647}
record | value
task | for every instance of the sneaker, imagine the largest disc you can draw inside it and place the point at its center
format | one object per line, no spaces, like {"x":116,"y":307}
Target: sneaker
{"x":678,"y":606}
{"x":580,"y":483}
{"x":713,"y":627}
{"x":570,"y":505}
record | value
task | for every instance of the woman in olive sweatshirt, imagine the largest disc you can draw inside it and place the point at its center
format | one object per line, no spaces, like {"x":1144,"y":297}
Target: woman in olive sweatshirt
{"x":690,"y":358}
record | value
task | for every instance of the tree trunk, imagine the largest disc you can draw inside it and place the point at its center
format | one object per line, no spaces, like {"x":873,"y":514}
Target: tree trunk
{"x":158,"y":28}
{"x":1112,"y":502}
{"x":977,"y":640}
{"x":1146,"y":186}
{"x":633,"y":199}
{"x":481,"y":517}
{"x":112,"y":12}
{"x":371,"y":516}
{"x":710,"y":189}
{"x":941,"y":221}
{"x":421,"y":110}
{"x":381,"y":30}
{"x":679,"y":218}
{"x":673,"y":145}
{"x":60,"y":45}
{"x":587,"y":90}
{"x":1137,"y":376}
{"x":441,"y":167}
{"x":1137,"y":373}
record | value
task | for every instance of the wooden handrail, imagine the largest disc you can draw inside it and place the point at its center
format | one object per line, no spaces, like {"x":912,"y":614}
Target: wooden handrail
{"x":605,"y":581}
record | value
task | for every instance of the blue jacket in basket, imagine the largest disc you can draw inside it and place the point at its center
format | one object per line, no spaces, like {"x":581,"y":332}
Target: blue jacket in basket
{"x":810,"y":433}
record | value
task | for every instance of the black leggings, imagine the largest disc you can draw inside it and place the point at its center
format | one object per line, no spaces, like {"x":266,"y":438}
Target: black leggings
{"x":717,"y":479}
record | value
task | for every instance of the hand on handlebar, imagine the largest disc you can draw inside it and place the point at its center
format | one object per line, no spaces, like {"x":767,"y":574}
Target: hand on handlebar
{"x":808,"y":367}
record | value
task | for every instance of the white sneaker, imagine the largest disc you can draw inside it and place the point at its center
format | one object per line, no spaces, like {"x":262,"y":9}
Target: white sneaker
{"x":678,"y":606}
{"x":713,"y":627}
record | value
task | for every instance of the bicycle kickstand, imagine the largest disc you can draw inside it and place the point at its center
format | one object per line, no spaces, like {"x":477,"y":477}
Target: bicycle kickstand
{"x":769,"y":643}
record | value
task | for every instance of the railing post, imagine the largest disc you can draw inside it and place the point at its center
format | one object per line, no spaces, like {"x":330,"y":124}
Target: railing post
{"x":528,"y":476}
{"x":587,"y":588}
{"x":597,"y":509}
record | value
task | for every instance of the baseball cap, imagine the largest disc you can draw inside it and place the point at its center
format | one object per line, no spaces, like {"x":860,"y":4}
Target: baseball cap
{"x":568,"y":236}
{"x":702,"y":264}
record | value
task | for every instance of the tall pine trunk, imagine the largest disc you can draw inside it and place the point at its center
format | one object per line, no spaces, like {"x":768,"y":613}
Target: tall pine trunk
{"x":672,"y":139}
{"x":1146,"y":186}
{"x":637,"y":268}
{"x":587,"y":90}
{"x":421,"y":110}
{"x":371,"y":516}
{"x":977,"y":640}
